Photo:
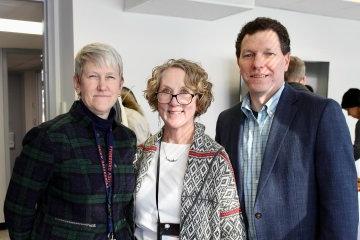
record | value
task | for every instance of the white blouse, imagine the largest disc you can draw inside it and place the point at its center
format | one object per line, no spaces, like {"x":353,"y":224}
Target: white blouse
{"x":173,"y":163}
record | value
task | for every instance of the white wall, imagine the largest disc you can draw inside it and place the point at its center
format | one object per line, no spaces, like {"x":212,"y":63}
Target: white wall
{"x":148,"y":40}
{"x":59,"y":59}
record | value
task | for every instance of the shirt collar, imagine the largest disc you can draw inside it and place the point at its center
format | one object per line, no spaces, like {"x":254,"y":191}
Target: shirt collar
{"x":269,"y":106}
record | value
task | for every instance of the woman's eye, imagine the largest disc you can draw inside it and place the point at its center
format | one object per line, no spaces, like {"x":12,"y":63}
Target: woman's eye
{"x":166,"y":91}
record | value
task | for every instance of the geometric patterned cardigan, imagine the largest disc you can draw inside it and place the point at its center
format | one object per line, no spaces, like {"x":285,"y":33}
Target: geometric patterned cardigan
{"x":210,"y":207}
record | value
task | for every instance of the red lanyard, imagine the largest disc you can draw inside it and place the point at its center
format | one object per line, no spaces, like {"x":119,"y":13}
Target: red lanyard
{"x":107,"y":173}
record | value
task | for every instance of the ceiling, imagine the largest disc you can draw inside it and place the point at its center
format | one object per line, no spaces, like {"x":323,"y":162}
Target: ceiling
{"x":21,"y":10}
{"x":32,"y":10}
{"x":331,"y":8}
{"x":214,"y":9}
{"x":27,"y":58}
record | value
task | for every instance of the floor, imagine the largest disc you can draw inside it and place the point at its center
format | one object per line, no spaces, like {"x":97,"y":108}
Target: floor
{"x":4,"y":235}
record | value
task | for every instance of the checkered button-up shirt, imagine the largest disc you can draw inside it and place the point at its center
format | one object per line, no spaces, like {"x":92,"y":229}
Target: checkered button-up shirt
{"x":256,"y":132}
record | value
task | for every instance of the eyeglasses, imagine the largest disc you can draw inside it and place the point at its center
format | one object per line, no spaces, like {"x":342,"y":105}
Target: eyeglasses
{"x":181,"y":98}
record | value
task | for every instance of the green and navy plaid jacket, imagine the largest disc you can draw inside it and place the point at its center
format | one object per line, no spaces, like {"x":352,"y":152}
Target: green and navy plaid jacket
{"x":57,"y":189}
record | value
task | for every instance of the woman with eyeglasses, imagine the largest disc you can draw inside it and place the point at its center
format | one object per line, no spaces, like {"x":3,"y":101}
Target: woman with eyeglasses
{"x":185,"y":186}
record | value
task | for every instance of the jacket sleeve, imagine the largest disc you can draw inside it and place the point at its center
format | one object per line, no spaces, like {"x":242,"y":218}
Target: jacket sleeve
{"x":336,"y":177}
{"x":357,"y":141}
{"x":231,"y":220}
{"x":30,"y":177}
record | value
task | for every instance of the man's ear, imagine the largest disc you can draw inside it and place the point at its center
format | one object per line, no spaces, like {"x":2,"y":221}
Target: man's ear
{"x":287,"y":61}
{"x":303,"y":80}
{"x":237,"y":62}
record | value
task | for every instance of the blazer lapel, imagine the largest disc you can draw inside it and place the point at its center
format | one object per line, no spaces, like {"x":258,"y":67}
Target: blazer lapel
{"x":284,"y":115}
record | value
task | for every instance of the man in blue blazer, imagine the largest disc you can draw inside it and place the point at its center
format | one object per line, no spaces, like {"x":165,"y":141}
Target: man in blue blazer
{"x":291,"y":150}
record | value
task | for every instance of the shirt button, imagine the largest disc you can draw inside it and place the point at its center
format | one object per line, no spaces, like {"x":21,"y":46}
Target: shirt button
{"x":258,"y":215}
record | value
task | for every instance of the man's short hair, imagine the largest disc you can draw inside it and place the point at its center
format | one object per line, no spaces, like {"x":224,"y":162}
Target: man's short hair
{"x":296,"y":70}
{"x":264,"y":24}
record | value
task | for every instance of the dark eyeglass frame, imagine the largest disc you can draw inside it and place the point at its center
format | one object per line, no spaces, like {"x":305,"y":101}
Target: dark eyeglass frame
{"x":176,"y":95}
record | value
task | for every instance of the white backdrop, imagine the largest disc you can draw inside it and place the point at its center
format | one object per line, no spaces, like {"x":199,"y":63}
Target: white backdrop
{"x":148,"y":40}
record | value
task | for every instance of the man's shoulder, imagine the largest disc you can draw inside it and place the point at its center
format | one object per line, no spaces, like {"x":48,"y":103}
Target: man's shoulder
{"x":304,"y":98}
{"x":232,"y":111}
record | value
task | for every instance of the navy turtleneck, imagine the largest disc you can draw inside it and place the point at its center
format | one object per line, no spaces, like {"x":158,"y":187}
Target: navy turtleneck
{"x":99,"y":123}
{"x":101,"y":126}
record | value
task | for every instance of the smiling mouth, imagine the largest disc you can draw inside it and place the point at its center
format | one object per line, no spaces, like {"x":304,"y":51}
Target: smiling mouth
{"x":101,"y":96}
{"x":175,"y":112}
{"x":259,"y":75}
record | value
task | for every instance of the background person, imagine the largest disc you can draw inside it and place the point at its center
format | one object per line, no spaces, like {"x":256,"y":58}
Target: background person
{"x":291,"y":151}
{"x":130,"y":114}
{"x":74,"y":177}
{"x":295,"y":74}
{"x":185,"y":186}
{"x":351,"y":103}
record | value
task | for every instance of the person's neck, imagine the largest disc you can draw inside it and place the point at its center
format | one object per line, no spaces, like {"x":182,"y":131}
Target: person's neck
{"x":183,"y":135}
{"x":258,"y":100}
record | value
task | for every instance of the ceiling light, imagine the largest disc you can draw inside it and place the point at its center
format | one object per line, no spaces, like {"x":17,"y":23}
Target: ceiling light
{"x":355,"y":1}
{"x":17,"y":26}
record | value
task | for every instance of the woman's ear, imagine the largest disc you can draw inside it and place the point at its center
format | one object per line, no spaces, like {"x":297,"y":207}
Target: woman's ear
{"x":76,"y":81}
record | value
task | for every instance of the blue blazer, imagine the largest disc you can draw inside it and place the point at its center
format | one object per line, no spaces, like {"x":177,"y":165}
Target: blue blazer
{"x":307,"y":187}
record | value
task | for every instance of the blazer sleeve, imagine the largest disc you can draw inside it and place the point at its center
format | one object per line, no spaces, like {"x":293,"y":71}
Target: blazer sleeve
{"x":231,"y":220}
{"x":336,"y":176}
{"x":31,"y":174}
{"x":218,"y":130}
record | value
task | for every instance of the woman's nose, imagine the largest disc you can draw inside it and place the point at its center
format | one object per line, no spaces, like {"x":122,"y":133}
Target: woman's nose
{"x":174,"y":100}
{"x":102,"y":83}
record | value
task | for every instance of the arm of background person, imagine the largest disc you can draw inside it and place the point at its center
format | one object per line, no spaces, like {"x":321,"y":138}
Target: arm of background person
{"x":357,"y":141}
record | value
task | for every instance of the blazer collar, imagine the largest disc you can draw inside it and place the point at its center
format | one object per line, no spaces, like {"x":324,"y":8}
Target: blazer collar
{"x":284,"y":115}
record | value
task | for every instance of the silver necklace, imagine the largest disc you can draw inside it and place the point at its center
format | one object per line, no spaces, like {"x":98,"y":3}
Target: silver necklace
{"x":169,"y":159}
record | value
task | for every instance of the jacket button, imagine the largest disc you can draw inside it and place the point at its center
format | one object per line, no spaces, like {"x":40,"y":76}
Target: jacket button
{"x":258,"y":215}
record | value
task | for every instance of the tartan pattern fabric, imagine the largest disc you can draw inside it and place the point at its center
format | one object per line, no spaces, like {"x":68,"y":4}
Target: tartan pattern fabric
{"x":57,"y":189}
{"x":210,"y":207}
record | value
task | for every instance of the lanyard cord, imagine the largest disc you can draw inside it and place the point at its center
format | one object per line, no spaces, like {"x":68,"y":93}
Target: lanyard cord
{"x":157,"y":194}
{"x":107,"y":173}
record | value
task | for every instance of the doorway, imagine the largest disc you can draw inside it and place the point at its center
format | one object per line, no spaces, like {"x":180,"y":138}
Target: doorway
{"x":21,"y":84}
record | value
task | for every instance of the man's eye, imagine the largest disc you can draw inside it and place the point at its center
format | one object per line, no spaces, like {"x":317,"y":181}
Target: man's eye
{"x":247,"y":55}
{"x":269,"y":53}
